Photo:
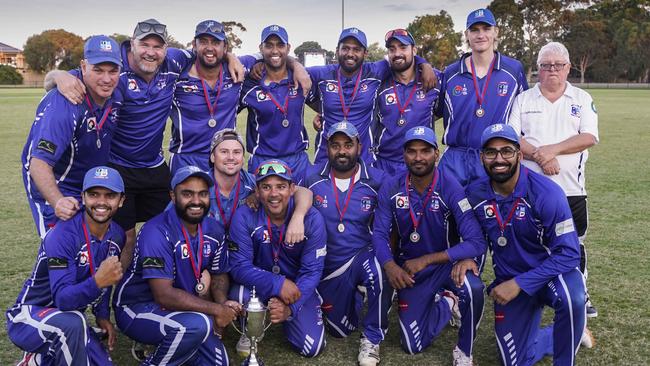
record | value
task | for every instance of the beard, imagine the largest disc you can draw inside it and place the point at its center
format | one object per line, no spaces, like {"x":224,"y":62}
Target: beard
{"x":501,"y":177}
{"x":418,"y":170}
{"x":399,"y":68}
{"x":99,"y":220}
{"x":206,"y":65}
{"x":350,"y":69}
{"x":183,"y":212}
{"x":348,"y":164}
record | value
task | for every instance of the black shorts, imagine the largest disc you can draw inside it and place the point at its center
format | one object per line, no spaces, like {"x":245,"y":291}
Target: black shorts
{"x":578,"y":205}
{"x":147,"y":194}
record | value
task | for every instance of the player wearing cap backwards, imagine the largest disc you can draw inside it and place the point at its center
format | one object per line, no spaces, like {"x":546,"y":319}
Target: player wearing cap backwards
{"x":67,"y":139}
{"x":347,"y":91}
{"x":161,"y":300}
{"x":76,"y":267}
{"x":535,"y":252}
{"x":275,"y":106}
{"x":346,"y":195}
{"x":477,"y":90}
{"x":403,"y":102}
{"x":428,"y":209}
{"x":285,"y":275}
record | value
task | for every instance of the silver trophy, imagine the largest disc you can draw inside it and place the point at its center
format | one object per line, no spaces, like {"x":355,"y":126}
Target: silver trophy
{"x":253,"y":326}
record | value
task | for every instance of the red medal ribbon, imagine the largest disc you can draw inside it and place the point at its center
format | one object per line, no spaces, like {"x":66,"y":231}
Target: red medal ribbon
{"x":416,"y":222}
{"x":348,"y":196}
{"x":197,"y":271}
{"x":212,"y":107}
{"x":502,"y":224}
{"x":222,"y":212}
{"x":90,"y":253}
{"x":285,"y":108}
{"x":346,"y":111}
{"x":276,"y":253}
{"x":481,"y":98}
{"x":401,"y":108}
{"x":100,"y":124}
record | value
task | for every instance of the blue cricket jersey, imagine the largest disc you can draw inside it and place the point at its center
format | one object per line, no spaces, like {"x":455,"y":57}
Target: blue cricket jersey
{"x":65,"y":136}
{"x":61,"y":277}
{"x":458,"y":102}
{"x":190,"y":112}
{"x":251,"y":254}
{"x":265,"y":133}
{"x":358,"y":215}
{"x":541,"y":242}
{"x":447,"y":210}
{"x":394,"y":95}
{"x":161,"y":251}
{"x":228,"y":205}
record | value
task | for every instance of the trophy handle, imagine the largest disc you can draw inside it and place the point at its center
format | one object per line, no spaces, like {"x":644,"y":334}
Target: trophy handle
{"x":237,"y":329}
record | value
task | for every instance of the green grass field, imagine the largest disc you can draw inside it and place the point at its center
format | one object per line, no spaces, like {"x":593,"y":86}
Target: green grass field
{"x":618,"y":176}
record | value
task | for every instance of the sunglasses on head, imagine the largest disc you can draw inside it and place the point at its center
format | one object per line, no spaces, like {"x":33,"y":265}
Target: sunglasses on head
{"x":157,"y":28}
{"x":397,"y":32}
{"x":278,"y":168}
{"x":212,"y":27}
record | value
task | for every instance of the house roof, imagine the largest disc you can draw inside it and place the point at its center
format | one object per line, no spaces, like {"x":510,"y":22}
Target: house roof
{"x":8,"y":48}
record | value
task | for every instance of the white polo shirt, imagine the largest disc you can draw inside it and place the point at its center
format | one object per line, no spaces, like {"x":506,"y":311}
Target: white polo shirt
{"x":541,"y":122}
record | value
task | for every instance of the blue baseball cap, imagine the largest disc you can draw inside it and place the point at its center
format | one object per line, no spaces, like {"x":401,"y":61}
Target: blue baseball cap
{"x":275,"y":30}
{"x":402,"y":35}
{"x":99,"y":49}
{"x":211,"y":28}
{"x":343,"y":127}
{"x":500,"y":130}
{"x":271,"y":167}
{"x":190,"y":171}
{"x":481,"y":16}
{"x":423,"y":134}
{"x":103,"y":176}
{"x":355,"y":33}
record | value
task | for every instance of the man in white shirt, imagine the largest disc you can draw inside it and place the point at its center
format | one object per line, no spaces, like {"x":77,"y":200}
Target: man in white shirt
{"x":558,"y":123}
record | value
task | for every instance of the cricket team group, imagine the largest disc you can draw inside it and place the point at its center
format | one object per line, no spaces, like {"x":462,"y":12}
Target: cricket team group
{"x":383,"y":218}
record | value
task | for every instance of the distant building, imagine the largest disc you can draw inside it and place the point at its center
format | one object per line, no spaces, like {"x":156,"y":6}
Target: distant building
{"x":13,"y":57}
{"x":314,"y":58}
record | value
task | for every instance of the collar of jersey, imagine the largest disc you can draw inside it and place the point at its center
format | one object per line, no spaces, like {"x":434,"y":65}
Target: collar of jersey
{"x":463,"y":69}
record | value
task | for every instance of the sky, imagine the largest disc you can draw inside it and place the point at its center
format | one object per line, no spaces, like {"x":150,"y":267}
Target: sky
{"x":308,"y":20}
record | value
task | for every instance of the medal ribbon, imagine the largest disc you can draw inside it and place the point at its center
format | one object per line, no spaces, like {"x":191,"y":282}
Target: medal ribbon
{"x":212,"y":107}
{"x":90,"y":253}
{"x":415,"y":221}
{"x":502,"y":224}
{"x":481,"y":98}
{"x":401,"y":108}
{"x":348,"y":196}
{"x":197,"y":271}
{"x":222,"y":212}
{"x":346,"y":111}
{"x":100,"y":124}
{"x":285,"y":108}
{"x":276,"y":253}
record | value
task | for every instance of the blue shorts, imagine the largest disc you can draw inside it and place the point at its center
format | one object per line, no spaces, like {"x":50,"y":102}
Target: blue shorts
{"x":464,"y":163}
{"x":42,"y":212}
{"x":299,"y":163}
{"x":392,"y":168}
{"x":177,"y":161}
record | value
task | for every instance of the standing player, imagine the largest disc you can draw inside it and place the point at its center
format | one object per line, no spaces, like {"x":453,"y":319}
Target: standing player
{"x":275,"y":106}
{"x":428,"y":209}
{"x":477,"y":91}
{"x":535,"y":252}
{"x":557,"y":123}
{"x":76,"y":267}
{"x":403,"y":102}
{"x":347,"y":91}
{"x":66,"y":139}
{"x":162,"y":300}
{"x":346,"y":196}
{"x":285,"y":275}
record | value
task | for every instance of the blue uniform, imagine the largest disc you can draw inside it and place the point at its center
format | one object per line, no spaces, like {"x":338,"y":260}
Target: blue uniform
{"x":444,"y":215}
{"x":65,"y":135}
{"x":191,"y":133}
{"x":350,"y":259}
{"x":542,"y":254}
{"x":162,"y":252}
{"x":458,"y":107}
{"x":48,"y":316}
{"x":393,"y":95}
{"x":251,"y":257}
{"x":266,"y":135}
{"x":228,"y":204}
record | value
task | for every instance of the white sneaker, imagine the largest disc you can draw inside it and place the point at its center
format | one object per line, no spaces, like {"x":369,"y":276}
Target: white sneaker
{"x":587,"y":340}
{"x":368,"y":353}
{"x":452,"y":300}
{"x":243,"y":346}
{"x":461,"y":359}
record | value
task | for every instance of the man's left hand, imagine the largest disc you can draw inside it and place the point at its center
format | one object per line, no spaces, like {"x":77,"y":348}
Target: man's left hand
{"x":108,"y":327}
{"x":544,"y":154}
{"x":428,"y":77}
{"x":278,"y":311}
{"x":413,"y":266}
{"x":295,"y":230}
{"x":505,"y":292}
{"x":236,"y":69}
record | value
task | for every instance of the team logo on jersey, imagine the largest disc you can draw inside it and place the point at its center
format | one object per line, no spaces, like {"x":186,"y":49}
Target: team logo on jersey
{"x":266,"y":239}
{"x":502,"y":88}
{"x":190,"y":88}
{"x":489,"y":211}
{"x":261,"y":96}
{"x":47,"y":146}
{"x":366,"y":204}
{"x":185,"y":251}
{"x":390,"y":99}
{"x":435,"y":204}
{"x":91,"y":124}
{"x":161,"y":84}
{"x":207,"y":250}
{"x":133,"y":85}
{"x":83,"y":258}
{"x":320,"y":201}
{"x":520,"y":212}
{"x":402,"y":202}
{"x":293,"y":91}
{"x":363,"y":87}
{"x":593,"y":107}
{"x":459,"y":90}
{"x":226,"y":85}
{"x":331,"y":88}
{"x":57,"y":263}
{"x":575,"y":110}
{"x":420,"y":95}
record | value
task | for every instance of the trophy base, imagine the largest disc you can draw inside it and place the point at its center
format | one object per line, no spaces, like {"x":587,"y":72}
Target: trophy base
{"x":252,"y":360}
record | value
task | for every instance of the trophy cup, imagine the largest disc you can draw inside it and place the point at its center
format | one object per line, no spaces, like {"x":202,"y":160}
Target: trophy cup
{"x":253,"y":327}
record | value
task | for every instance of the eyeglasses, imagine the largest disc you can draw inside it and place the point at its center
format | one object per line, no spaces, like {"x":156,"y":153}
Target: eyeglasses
{"x":506,"y":153}
{"x":211,"y":26}
{"x":397,"y":32}
{"x":160,"y":29}
{"x":550,"y":67}
{"x":278,"y":168}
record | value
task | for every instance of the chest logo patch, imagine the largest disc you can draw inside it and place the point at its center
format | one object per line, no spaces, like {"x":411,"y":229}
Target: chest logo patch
{"x":502,"y":88}
{"x":390,"y":99}
{"x":575,"y":110}
{"x":489,"y":211}
{"x":402,"y":202}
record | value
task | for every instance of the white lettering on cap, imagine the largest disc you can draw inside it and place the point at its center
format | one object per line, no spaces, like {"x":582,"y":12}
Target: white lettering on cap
{"x":354,"y":30}
{"x":478,"y":13}
{"x":101,"y":173}
{"x":105,"y":46}
{"x":274,"y":28}
{"x":419,"y":131}
{"x":497,"y":128}
{"x":342,"y":126}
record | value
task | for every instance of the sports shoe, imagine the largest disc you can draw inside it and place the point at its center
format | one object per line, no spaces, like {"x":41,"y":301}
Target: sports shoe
{"x":139,"y":351}
{"x":452,"y":299}
{"x":591,"y":310}
{"x":587,"y":340}
{"x":461,"y":359}
{"x":30,"y":359}
{"x":368,"y":353}
{"x":243,"y":346}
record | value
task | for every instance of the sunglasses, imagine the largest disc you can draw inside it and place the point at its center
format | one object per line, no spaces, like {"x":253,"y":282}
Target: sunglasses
{"x":397,"y":32}
{"x":211,"y":26}
{"x":159,"y":29}
{"x":278,"y":168}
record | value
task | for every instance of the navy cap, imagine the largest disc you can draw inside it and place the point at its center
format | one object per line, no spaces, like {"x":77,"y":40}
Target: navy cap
{"x":499,"y":130}
{"x":150,"y":27}
{"x":275,"y":30}
{"x":344,"y":127}
{"x":211,"y":28}
{"x":481,"y":16}
{"x":402,"y":35}
{"x":190,"y":171}
{"x":99,"y":49}
{"x":103,"y":176}
{"x":271,"y":167}
{"x":423,"y":134}
{"x":355,"y":33}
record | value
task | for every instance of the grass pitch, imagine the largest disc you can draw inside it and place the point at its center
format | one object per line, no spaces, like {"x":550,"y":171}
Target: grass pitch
{"x":618,"y":177}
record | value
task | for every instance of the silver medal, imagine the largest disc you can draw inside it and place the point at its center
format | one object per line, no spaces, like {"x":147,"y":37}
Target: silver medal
{"x":341,"y":227}
{"x":212,"y":122}
{"x":502,"y":241}
{"x":285,"y":123}
{"x":275,"y":269}
{"x":415,"y":237}
{"x":480,"y":112}
{"x":199,"y":287}
{"x":401,"y":121}
{"x":99,"y":143}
